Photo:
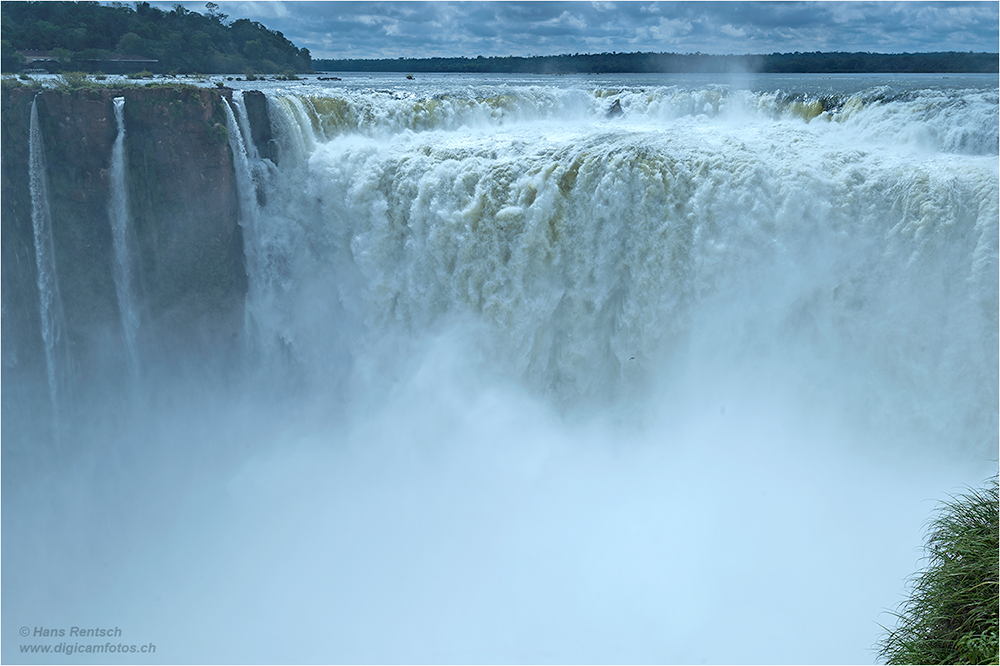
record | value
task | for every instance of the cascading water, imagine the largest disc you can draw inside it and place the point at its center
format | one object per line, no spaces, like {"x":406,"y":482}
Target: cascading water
{"x":244,"y":122}
{"x":594,"y":252}
{"x":123,"y":239}
{"x":267,"y":249}
{"x":52,"y":318}
{"x":544,"y":382}
{"x":247,"y":192}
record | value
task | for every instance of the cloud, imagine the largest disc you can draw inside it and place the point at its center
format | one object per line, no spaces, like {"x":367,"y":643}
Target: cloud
{"x":240,"y":9}
{"x":425,"y":29}
{"x":670,"y":29}
{"x":733,"y":32}
{"x":566,"y":19}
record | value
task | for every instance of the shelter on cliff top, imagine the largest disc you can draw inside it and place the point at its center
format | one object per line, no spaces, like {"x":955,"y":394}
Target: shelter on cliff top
{"x":111,"y":64}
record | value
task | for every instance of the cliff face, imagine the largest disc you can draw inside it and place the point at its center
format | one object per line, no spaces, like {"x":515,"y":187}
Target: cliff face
{"x":184,"y":205}
{"x":21,"y":350}
{"x":260,"y":124}
{"x":184,"y":213}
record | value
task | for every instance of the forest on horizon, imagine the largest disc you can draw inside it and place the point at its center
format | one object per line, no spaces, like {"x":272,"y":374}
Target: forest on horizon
{"x":695,"y":63}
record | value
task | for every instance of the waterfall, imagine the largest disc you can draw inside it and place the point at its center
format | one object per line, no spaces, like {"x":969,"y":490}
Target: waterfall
{"x":118,"y":213}
{"x":293,"y":129}
{"x":520,"y":381}
{"x":52,"y":318}
{"x":245,"y":187}
{"x":271,"y":212}
{"x":244,"y":122}
{"x":595,"y":255}
{"x":263,"y":171}
{"x":249,"y":214}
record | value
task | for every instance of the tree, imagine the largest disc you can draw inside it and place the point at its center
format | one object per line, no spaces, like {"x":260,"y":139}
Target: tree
{"x":129,"y":44}
{"x":215,"y":13}
{"x":181,"y":40}
{"x":10,"y":60}
{"x":253,"y":50}
{"x":63,"y":56}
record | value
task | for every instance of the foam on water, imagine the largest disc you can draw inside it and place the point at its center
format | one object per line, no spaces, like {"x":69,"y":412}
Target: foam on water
{"x":959,"y":120}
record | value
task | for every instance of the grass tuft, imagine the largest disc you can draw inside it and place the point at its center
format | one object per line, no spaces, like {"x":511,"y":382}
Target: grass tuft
{"x":75,"y":80}
{"x":951,"y":615}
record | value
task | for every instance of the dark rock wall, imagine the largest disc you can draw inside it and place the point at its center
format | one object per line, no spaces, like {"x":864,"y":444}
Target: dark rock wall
{"x":185,"y":210}
{"x":78,"y":130}
{"x":191,"y":279}
{"x":260,"y":124}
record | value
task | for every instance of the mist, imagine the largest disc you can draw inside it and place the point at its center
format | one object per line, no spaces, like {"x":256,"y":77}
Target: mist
{"x":493,"y":407}
{"x":463,"y":519}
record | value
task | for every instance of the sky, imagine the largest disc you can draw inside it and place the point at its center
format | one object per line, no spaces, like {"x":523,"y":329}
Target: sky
{"x":450,"y":29}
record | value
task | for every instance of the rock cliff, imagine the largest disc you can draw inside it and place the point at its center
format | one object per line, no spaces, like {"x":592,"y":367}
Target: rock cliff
{"x":184,"y":213}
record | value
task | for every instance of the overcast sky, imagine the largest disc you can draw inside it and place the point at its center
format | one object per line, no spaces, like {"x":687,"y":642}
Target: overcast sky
{"x":427,"y":29}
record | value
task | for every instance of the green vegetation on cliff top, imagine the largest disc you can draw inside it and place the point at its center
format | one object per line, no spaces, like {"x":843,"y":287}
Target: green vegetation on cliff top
{"x":89,"y":36}
{"x":83,"y":81}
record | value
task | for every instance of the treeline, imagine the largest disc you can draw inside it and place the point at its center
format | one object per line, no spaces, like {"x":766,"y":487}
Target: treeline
{"x":87,"y":36}
{"x":699,"y":63}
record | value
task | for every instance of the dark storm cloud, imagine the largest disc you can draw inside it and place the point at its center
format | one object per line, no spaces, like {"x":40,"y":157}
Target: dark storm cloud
{"x":424,"y":29}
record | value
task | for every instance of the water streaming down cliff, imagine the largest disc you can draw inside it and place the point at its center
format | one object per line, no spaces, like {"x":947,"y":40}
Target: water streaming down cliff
{"x":51,"y":311}
{"x":244,"y":126}
{"x":601,"y":255}
{"x":530,"y":382}
{"x":248,"y":209}
{"x":124,"y":241}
